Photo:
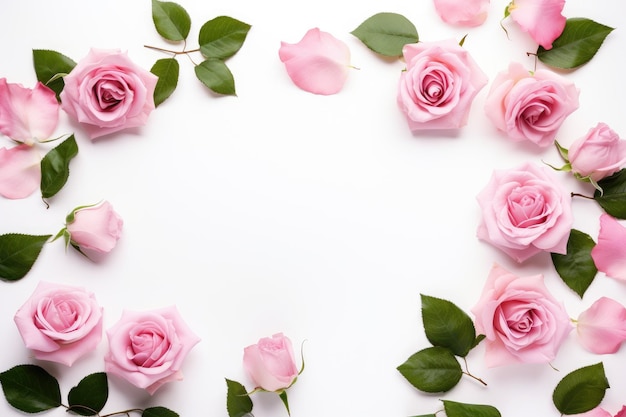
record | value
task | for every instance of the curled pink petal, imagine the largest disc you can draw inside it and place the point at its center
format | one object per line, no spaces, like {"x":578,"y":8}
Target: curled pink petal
{"x":462,"y":12}
{"x":20,"y":171}
{"x":602,"y":327}
{"x":542,"y":19}
{"x":319,"y":63}
{"x":609,"y":254}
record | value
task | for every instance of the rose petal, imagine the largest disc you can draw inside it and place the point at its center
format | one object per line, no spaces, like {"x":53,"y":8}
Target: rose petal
{"x":20,"y":171}
{"x":609,"y":254}
{"x":602,"y":327}
{"x":462,"y":12}
{"x":542,"y":19}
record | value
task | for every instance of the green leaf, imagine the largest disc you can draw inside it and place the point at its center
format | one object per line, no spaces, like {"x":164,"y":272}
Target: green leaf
{"x":158,"y":412}
{"x":30,"y":388}
{"x":613,"y":197}
{"x":18,"y":253}
{"x":426,"y":415}
{"x":434,"y":369}
{"x":579,"y":42}
{"x":90,"y":395}
{"x":222,"y":37}
{"x":238,"y":402}
{"x":386,"y":33}
{"x":170,"y":20}
{"x":455,"y":409}
{"x":49,"y":65}
{"x":55,"y":167}
{"x":167,"y":69}
{"x":447,"y":325}
{"x":576,"y":268}
{"x":215,"y":74}
{"x":581,"y":390}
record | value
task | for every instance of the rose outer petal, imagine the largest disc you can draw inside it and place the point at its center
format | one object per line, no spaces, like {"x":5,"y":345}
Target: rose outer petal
{"x":20,"y":171}
{"x":609,"y":254}
{"x":542,"y":19}
{"x":468,"y":13}
{"x":602,"y":327}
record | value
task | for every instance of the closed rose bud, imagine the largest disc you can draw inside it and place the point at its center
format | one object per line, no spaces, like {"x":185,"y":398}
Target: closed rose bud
{"x":270,"y":363}
{"x":94,"y":228}
{"x":598,"y":154}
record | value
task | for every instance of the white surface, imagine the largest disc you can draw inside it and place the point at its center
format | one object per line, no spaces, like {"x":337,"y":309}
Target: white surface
{"x":281,"y":211}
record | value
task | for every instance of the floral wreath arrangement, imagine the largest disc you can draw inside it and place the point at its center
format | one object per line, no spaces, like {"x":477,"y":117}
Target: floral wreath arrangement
{"x":525,"y":210}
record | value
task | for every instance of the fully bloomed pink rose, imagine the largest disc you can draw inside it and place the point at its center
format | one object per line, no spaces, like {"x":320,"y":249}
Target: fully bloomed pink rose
{"x":319,"y":63}
{"x":439,"y":85}
{"x":609,"y":254}
{"x":60,"y":323}
{"x":462,"y":12}
{"x":522,"y":322}
{"x":598,"y":154}
{"x":20,"y":171}
{"x":271,"y":363}
{"x":542,"y":19}
{"x":602,"y":327}
{"x":148,"y":348}
{"x":106,"y":92}
{"x":94,"y":228}
{"x":530,"y":106}
{"x":525,"y":211}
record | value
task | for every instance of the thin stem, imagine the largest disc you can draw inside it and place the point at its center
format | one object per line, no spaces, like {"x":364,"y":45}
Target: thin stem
{"x":466,"y":372}
{"x":183,"y":52}
{"x":125,"y":412}
{"x":581,"y":195}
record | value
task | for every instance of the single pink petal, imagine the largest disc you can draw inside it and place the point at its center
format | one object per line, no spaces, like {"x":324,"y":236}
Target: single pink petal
{"x":622,"y":412}
{"x":319,"y":63}
{"x":462,"y":12}
{"x":542,"y":19}
{"x":602,"y":327}
{"x":596,"y":412}
{"x":609,"y":254}
{"x":20,"y":171}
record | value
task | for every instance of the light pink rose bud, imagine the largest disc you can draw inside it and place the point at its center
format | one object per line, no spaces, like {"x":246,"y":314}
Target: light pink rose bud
{"x":602,"y":327}
{"x":598,"y":154}
{"x":271,"y":363}
{"x":94,"y":228}
{"x":60,"y":323}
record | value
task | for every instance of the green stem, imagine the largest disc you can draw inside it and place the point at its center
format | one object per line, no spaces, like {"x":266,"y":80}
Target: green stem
{"x":581,"y":195}
{"x":125,"y":412}
{"x":183,"y":52}
{"x":466,"y":372}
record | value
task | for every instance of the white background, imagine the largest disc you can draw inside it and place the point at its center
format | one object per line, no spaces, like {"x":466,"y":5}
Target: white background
{"x":321,"y":217}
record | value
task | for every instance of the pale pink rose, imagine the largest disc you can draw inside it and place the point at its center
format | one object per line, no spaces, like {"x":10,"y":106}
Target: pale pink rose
{"x":462,"y":12}
{"x":60,"y":323}
{"x":609,"y":254}
{"x":271,"y":363}
{"x":106,"y":92}
{"x":27,"y":115}
{"x":596,"y":412}
{"x":602,"y":327}
{"x":94,"y":228}
{"x":598,"y":154}
{"x":525,"y":211}
{"x":522,"y":322}
{"x":542,"y":19}
{"x":439,"y":85}
{"x":148,"y":348}
{"x":319,"y":63}
{"x":20,"y":171}
{"x":530,"y":106}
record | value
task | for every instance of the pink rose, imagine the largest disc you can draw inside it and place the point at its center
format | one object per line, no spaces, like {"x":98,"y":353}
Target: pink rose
{"x":94,"y":228}
{"x":60,"y":323}
{"x":598,"y":154}
{"x":602,"y":327}
{"x":462,"y":12}
{"x":106,"y":92}
{"x":600,"y":412}
{"x":271,"y":363}
{"x":148,"y":348}
{"x":521,"y":320}
{"x":609,"y":254}
{"x":525,"y":211}
{"x":319,"y":63}
{"x":530,"y":106}
{"x":20,"y":171}
{"x":439,"y":85}
{"x":542,"y":19}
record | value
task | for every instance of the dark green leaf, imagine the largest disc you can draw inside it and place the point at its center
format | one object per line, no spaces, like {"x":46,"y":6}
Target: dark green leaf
{"x":578,"y":43}
{"x":30,"y":388}
{"x":238,"y":402}
{"x":158,"y":412}
{"x":576,"y":268}
{"x":613,"y":196}
{"x":18,"y":253}
{"x":434,"y":369}
{"x":215,"y":74}
{"x":55,"y":167}
{"x":447,"y":325}
{"x":49,"y":65}
{"x":581,"y":390}
{"x":478,"y":339}
{"x":90,"y":395}
{"x":222,"y":37}
{"x":167,"y":70}
{"x":170,"y":20}
{"x":386,"y":33}
{"x":455,"y":409}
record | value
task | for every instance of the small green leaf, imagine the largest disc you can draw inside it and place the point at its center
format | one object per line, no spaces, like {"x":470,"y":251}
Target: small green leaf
{"x":222,"y":37}
{"x":215,"y":74}
{"x":455,"y":409}
{"x":18,"y":253}
{"x":55,"y":167}
{"x":238,"y":402}
{"x":30,"y":388}
{"x":613,"y":197}
{"x":90,"y":395}
{"x":576,"y":268}
{"x":49,"y":65}
{"x":579,"y":42}
{"x":386,"y":33}
{"x":581,"y":390}
{"x":170,"y":20}
{"x":434,"y":369}
{"x":167,"y":69}
{"x":447,"y":325}
{"x":158,"y":412}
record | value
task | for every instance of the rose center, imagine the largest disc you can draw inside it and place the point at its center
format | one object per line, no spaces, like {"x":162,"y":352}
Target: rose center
{"x":526,"y":209}
{"x":109,"y":94}
{"x":57,"y":315}
{"x":148,"y":346}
